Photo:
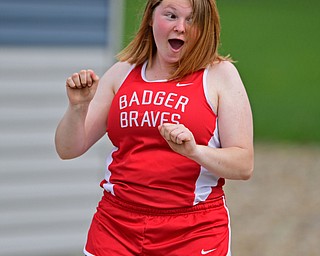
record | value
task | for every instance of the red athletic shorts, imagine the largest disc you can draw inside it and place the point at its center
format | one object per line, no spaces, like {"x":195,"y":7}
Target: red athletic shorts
{"x":120,"y":228}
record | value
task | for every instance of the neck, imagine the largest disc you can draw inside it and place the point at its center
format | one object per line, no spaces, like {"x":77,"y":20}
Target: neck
{"x":158,"y":70}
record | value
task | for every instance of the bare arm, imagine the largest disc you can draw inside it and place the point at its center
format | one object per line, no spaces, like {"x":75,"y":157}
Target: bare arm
{"x":85,"y":120}
{"x":235,"y":159}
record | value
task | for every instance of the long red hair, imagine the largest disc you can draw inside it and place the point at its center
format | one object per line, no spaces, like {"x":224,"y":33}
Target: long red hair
{"x":199,"y":55}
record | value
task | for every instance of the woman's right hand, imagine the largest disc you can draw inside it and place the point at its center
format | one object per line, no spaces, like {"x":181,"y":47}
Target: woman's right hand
{"x":81,"y":87}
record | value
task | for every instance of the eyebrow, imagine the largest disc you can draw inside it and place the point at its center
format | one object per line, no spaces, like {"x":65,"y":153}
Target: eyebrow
{"x":170,"y":6}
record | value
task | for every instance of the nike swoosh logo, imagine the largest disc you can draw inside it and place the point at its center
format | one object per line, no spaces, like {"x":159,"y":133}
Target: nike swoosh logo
{"x":181,"y":85}
{"x":203,"y":252}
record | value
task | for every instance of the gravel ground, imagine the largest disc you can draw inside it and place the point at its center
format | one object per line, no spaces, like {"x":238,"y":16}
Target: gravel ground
{"x":277,"y":212}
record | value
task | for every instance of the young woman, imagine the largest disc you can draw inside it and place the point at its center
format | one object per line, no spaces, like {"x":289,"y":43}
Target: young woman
{"x":180,"y":121}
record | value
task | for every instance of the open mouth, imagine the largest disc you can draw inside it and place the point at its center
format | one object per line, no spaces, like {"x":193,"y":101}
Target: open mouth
{"x":176,"y":44}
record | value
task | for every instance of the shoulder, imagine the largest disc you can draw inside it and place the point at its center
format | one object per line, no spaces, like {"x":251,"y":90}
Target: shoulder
{"x":111,"y":81}
{"x":224,"y":72}
{"x":224,"y":83}
{"x":121,"y":68}
{"x":224,"y":77}
{"x":115,"y":75}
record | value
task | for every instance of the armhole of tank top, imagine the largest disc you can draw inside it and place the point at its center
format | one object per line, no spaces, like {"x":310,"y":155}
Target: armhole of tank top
{"x":126,"y":76}
{"x":205,"y":90}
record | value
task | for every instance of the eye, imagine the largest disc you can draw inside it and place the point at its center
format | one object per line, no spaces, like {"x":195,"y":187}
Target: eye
{"x":171,"y":16}
{"x":189,"y":20}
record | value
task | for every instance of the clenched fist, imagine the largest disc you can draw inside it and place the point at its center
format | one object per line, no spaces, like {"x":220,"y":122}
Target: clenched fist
{"x":81,"y":87}
{"x":179,"y":138}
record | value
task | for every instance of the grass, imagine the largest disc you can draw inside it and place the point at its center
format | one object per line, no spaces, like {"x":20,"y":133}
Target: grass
{"x":275,"y":44}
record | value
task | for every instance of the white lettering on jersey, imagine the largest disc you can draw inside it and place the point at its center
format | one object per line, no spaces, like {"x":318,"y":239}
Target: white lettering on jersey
{"x":149,"y":119}
{"x":134,"y":99}
{"x":158,"y":99}
{"x":147,"y":97}
{"x":183,"y":101}
{"x":134,"y":118}
{"x":123,"y":102}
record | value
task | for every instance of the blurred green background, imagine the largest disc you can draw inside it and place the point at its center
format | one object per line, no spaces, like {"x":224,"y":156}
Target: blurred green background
{"x":275,"y":45}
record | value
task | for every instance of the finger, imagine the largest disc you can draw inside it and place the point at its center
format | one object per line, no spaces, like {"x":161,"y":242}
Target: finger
{"x":89,"y":79}
{"x":76,"y":80}
{"x":70,"y":83}
{"x":178,"y":138}
{"x":183,"y":137}
{"x":180,"y":135}
{"x":83,"y":78}
{"x":164,"y":131}
{"x":174,"y":133}
{"x":161,"y":130}
{"x":94,"y":77}
{"x":169,"y":131}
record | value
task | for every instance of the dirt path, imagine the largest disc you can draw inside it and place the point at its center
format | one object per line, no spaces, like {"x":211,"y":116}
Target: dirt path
{"x":277,"y":212}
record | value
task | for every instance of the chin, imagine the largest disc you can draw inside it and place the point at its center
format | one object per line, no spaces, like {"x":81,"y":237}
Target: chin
{"x":174,"y":59}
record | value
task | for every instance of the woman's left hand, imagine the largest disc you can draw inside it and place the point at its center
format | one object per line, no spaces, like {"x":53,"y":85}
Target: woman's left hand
{"x":179,"y":138}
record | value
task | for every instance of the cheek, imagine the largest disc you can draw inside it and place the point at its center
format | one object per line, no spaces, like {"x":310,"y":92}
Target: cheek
{"x":160,"y":29}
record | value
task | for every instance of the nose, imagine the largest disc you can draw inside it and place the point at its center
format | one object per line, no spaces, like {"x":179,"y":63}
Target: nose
{"x":180,"y":26}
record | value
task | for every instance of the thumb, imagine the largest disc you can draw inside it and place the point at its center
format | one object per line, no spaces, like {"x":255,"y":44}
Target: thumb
{"x":94,"y":76}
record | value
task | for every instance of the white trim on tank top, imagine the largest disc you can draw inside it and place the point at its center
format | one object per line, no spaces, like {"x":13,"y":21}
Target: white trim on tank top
{"x":144,"y":75}
{"x":206,"y":180}
{"x":205,"y":89}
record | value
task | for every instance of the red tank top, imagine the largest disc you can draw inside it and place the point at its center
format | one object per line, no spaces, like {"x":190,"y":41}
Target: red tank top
{"x":142,"y":168}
